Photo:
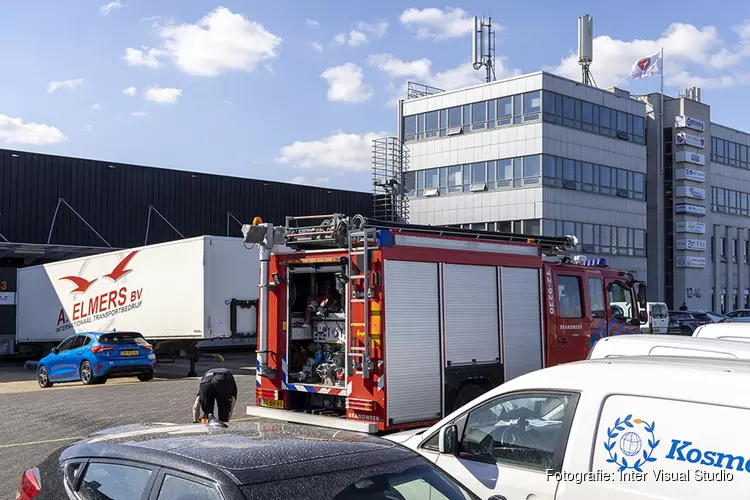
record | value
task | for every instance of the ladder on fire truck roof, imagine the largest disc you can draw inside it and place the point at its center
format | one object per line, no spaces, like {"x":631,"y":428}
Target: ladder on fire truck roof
{"x":334,"y":231}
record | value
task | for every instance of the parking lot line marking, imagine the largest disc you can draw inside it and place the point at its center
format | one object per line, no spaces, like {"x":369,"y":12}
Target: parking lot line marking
{"x":30,"y":443}
{"x":244,"y":418}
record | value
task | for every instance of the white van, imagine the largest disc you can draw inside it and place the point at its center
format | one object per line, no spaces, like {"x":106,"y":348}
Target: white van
{"x":665,"y":428}
{"x":668,"y":345}
{"x":725,"y":331}
{"x":658,"y":318}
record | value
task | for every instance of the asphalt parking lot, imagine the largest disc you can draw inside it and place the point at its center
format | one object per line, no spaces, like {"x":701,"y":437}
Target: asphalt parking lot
{"x":37,"y":421}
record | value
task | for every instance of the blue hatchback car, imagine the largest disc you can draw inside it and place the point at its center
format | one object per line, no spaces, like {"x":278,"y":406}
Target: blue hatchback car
{"x":92,"y":358}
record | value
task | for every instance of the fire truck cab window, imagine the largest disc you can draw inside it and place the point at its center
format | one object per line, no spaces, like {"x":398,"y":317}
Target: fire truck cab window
{"x":569,"y":297}
{"x":596,"y":297}
{"x":620,"y":302}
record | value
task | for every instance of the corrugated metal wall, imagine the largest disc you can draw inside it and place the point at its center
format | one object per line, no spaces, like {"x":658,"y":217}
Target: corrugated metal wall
{"x":114,"y":198}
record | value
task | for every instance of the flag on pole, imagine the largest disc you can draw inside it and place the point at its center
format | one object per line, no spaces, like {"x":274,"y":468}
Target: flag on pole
{"x":648,"y":66}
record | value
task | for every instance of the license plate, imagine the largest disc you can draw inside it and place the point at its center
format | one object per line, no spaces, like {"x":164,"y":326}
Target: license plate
{"x":272,"y":403}
{"x":128,"y":353}
{"x":657,"y":330}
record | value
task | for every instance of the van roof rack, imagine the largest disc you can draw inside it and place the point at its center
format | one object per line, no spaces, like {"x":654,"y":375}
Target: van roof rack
{"x":331,"y":231}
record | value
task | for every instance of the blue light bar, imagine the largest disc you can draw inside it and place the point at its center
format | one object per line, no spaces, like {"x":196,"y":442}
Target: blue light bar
{"x":600,"y":262}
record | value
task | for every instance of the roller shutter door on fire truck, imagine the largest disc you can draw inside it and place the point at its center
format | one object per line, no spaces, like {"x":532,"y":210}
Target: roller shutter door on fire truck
{"x":522,"y":322}
{"x":470,"y":314}
{"x":412,"y":341}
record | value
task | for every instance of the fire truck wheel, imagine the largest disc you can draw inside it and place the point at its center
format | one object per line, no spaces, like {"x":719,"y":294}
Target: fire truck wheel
{"x":467,"y":392}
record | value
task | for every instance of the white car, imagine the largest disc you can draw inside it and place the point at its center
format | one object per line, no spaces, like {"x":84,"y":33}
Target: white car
{"x":725,"y":331}
{"x":658,"y":318}
{"x":669,"y":345}
{"x":667,"y":428}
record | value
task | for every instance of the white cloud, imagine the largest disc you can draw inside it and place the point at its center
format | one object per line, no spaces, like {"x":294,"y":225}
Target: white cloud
{"x":354,"y":38}
{"x":312,"y":22}
{"x":143,"y":57}
{"x":395,"y":67}
{"x":162,"y":95}
{"x":345,"y":83}
{"x":340,"y":151}
{"x":316,"y":46}
{"x":109,"y":7}
{"x":139,"y":114}
{"x":377,"y":28}
{"x":318,"y":181}
{"x":15,"y":131}
{"x":684,"y":45}
{"x":64,"y":84}
{"x":131,"y":91}
{"x":438,"y":24}
{"x":97,"y":107}
{"x":227,"y":101}
{"x":221,"y":41}
{"x":88,"y":128}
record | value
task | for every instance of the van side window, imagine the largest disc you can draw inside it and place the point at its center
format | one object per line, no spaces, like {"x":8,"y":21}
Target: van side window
{"x":521,"y":430}
{"x":596,"y":297}
{"x":569,"y":296}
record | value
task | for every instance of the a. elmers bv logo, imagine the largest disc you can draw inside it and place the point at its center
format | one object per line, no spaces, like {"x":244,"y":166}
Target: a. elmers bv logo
{"x":635,"y":439}
{"x":82,"y":284}
{"x":644,"y":63}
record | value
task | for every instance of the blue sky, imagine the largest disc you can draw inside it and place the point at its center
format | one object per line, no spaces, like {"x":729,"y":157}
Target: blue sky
{"x":296,"y":90}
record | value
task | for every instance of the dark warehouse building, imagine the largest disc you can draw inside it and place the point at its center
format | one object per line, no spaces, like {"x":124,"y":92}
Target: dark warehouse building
{"x":54,"y":207}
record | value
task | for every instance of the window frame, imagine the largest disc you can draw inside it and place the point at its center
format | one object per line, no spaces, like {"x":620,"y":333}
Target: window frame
{"x":165,"y":471}
{"x":148,"y":489}
{"x":595,"y":314}
{"x":581,"y":302}
{"x":562,"y":444}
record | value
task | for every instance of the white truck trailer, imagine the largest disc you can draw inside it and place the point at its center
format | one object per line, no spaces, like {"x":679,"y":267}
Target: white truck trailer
{"x":178,"y":295}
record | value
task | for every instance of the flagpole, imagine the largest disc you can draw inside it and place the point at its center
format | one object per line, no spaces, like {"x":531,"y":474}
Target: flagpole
{"x":661,"y":116}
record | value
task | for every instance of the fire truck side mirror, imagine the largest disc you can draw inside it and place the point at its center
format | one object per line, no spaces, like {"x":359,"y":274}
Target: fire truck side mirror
{"x":635,"y":322}
{"x":448,"y":440}
{"x":643,"y":317}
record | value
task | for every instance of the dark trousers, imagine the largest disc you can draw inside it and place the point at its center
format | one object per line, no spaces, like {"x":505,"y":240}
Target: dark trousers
{"x":219,"y":394}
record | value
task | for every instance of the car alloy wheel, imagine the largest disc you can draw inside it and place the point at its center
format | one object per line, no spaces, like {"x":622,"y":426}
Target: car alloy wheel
{"x":86,"y":373}
{"x":43,"y":377}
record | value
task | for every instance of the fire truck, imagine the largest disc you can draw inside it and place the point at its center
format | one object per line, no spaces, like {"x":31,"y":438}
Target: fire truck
{"x":377,"y":326}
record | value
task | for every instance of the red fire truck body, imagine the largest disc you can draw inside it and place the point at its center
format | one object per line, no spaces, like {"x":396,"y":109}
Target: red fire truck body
{"x":376,"y":326}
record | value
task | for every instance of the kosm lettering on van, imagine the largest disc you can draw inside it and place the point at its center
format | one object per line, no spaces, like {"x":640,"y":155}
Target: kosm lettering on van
{"x":684,"y":451}
{"x":103,"y":305}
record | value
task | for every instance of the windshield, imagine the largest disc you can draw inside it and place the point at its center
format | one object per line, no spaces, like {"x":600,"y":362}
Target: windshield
{"x":122,"y":338}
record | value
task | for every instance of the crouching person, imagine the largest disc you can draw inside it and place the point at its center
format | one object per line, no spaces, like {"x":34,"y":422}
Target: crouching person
{"x":217,"y":389}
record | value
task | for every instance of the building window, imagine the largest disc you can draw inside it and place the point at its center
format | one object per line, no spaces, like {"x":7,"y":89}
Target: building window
{"x":730,"y":202}
{"x":570,"y":174}
{"x":730,"y":153}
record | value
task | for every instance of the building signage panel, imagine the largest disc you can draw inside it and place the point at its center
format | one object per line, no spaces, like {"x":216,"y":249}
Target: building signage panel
{"x":690,"y":192}
{"x":690,"y":226}
{"x":689,"y":122}
{"x":690,"y":209}
{"x":691,"y":261}
{"x":690,"y":244}
{"x":689,"y":157}
{"x":682,"y":138}
{"x":7,"y":298}
{"x":690,"y":174}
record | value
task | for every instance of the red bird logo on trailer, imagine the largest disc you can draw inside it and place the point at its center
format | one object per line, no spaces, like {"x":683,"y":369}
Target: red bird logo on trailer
{"x":82,"y":284}
{"x":119,"y":271}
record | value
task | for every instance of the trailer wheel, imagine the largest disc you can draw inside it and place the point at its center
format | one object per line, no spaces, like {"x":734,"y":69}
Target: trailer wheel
{"x":467,"y":392}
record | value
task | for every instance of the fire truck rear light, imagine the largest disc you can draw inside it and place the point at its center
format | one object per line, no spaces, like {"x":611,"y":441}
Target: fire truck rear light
{"x":360,"y":404}
{"x":268,"y":394}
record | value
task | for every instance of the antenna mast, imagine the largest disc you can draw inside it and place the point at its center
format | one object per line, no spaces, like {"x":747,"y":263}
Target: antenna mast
{"x":586,"y":47}
{"x":483,"y":46}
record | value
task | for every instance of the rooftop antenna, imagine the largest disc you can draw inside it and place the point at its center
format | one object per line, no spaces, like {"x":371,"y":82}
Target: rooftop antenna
{"x":586,"y":47}
{"x":483,"y":46}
